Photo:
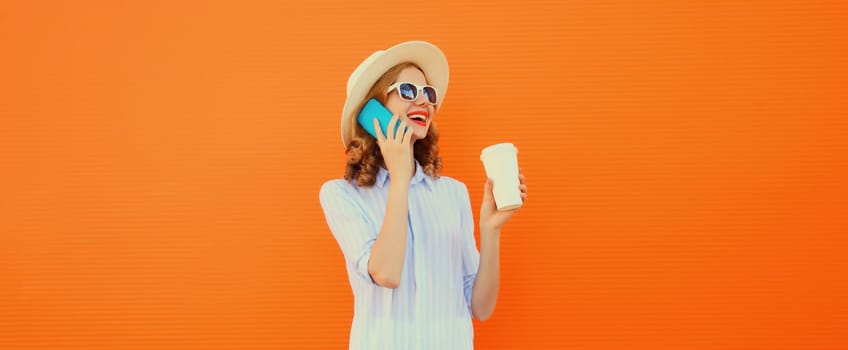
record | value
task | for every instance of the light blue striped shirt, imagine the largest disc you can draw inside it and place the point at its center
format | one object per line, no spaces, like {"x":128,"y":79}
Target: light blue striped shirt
{"x":431,"y":308}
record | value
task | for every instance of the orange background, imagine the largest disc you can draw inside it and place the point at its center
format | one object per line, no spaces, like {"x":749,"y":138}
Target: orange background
{"x":686,"y":160}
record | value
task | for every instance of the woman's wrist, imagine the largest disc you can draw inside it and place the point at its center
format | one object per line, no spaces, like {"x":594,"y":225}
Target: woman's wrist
{"x":399,"y":186}
{"x":489,"y":232}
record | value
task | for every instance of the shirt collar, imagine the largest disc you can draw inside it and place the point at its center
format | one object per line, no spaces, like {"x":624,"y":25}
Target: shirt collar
{"x":418,"y":178}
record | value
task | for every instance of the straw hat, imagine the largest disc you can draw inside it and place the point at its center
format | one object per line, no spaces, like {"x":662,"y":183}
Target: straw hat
{"x":425,"y":55}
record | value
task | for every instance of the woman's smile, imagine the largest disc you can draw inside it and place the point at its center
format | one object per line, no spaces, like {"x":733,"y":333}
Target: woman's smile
{"x":419,"y":117}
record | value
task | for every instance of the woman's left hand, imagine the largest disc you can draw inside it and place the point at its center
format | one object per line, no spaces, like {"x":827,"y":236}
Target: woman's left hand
{"x":491,"y":219}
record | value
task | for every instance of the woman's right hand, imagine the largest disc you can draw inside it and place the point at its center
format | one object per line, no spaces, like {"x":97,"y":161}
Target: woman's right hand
{"x":396,"y":148}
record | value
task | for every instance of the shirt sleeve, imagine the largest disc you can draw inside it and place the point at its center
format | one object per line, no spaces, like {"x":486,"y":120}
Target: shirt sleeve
{"x":350,"y":226}
{"x":470,"y":254}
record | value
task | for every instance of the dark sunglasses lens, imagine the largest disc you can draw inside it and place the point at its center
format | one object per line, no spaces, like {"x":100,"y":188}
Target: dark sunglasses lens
{"x":407,"y":91}
{"x":430,"y":93}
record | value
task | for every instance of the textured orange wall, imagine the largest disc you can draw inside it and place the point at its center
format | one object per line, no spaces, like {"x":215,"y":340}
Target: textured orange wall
{"x":160,"y":166}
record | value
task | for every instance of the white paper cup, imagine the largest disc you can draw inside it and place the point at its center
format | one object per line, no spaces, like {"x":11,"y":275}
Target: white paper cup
{"x":501,"y":164}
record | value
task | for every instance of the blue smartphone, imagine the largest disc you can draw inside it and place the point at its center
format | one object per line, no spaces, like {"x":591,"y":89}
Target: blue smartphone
{"x":375,"y":109}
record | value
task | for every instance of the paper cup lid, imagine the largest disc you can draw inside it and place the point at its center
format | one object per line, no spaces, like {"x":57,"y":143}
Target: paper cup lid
{"x":497,"y":148}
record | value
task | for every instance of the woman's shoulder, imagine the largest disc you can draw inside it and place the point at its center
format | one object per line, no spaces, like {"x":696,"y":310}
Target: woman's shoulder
{"x":336,"y":187}
{"x":449,"y":180}
{"x":451,"y":183}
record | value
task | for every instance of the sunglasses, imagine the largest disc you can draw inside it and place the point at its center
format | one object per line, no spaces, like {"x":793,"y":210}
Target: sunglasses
{"x":409,"y":92}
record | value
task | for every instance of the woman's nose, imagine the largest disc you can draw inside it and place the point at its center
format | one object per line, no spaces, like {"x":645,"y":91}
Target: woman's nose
{"x":420,"y":99}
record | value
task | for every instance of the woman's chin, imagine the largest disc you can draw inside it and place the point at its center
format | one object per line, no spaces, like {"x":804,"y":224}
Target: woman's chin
{"x":419,"y":132}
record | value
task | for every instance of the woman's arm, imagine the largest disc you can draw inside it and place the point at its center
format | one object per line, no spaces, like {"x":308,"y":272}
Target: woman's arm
{"x":484,"y":295}
{"x":389,"y":251}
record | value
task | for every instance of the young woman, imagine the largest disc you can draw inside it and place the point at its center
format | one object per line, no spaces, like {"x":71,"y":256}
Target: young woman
{"x":406,"y":233}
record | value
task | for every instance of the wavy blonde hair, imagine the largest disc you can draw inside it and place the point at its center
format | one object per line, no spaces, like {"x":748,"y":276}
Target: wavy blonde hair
{"x":364,"y":159}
